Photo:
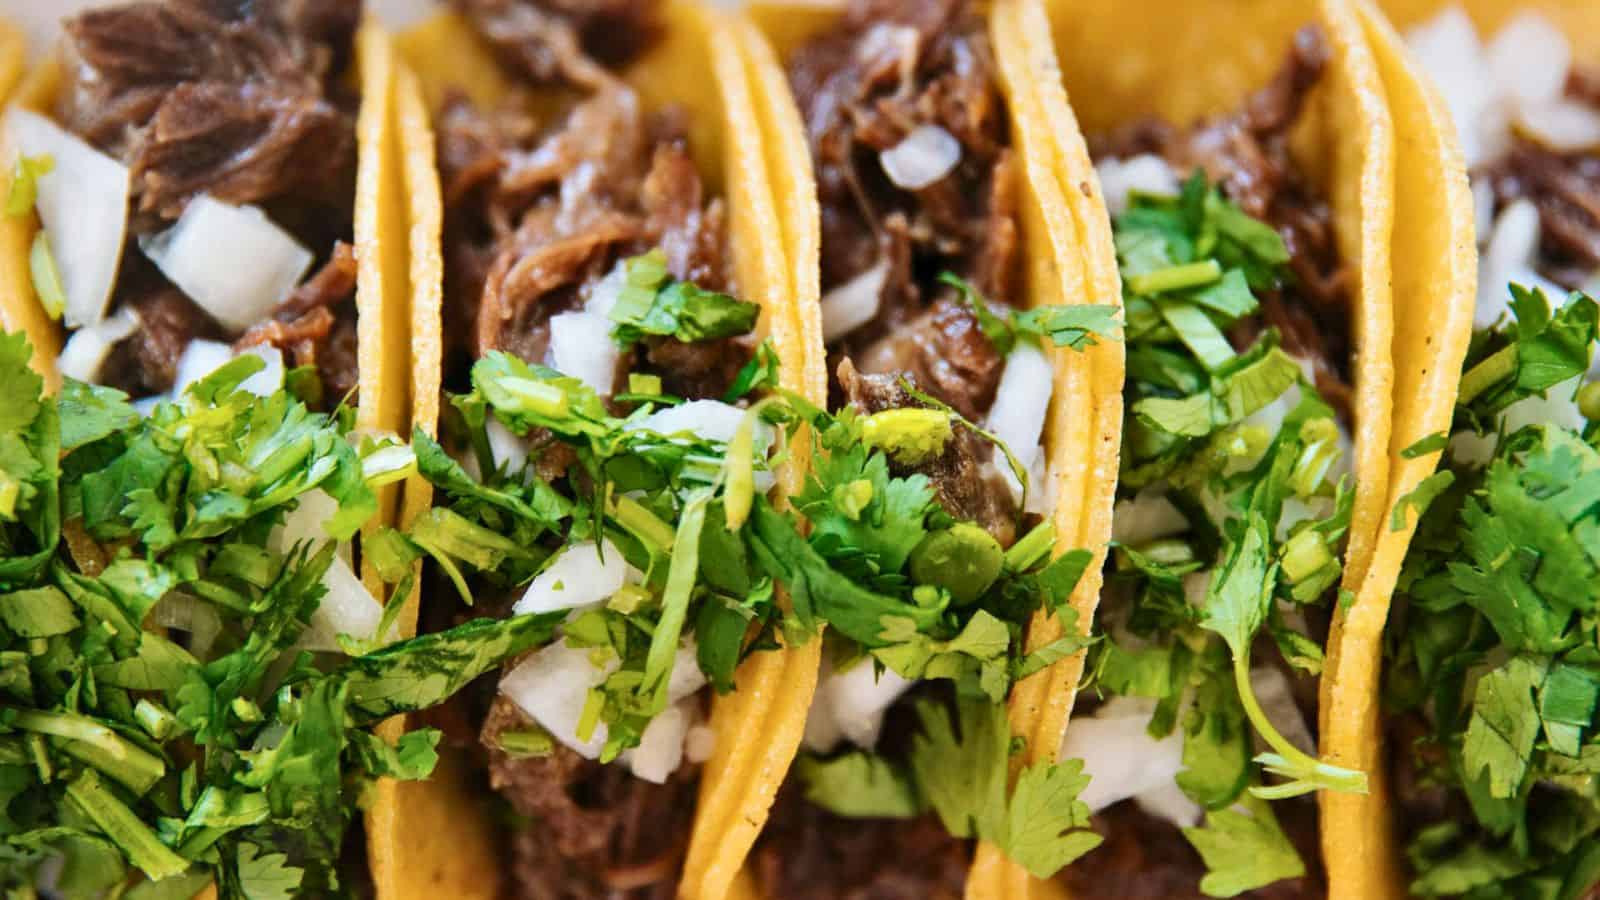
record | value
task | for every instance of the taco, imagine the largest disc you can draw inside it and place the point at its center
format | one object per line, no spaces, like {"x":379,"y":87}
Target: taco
{"x":956,"y":289}
{"x":1250,"y":173}
{"x":1492,"y":627}
{"x":612,"y":243}
{"x":201,"y":436}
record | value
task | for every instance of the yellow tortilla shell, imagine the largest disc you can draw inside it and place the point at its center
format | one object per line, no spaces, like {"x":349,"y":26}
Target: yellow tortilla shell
{"x":1123,"y":61}
{"x":759,"y":725}
{"x":1069,"y":260}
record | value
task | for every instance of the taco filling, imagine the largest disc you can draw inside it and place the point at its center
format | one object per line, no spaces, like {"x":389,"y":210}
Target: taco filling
{"x":600,"y":365}
{"x":919,"y":193}
{"x":1492,"y":679}
{"x":195,"y":179}
{"x":1234,"y":500}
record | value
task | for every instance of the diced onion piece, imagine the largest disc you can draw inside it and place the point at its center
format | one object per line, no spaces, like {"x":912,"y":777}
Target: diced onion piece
{"x":581,"y":346}
{"x":700,"y":743}
{"x":87,"y":348}
{"x":1147,"y":516}
{"x":710,"y":420}
{"x":192,"y":615}
{"x":660,"y":750}
{"x":307,"y":523}
{"x":1561,"y":125}
{"x":854,"y":303}
{"x":1041,"y":484}
{"x":605,"y":293}
{"x":923,"y":157}
{"x":1146,"y":173}
{"x":83,"y":204}
{"x":1528,"y":60}
{"x":1022,"y":399}
{"x":686,"y":678}
{"x":1122,"y":760}
{"x":1513,"y":246}
{"x":1447,"y":48}
{"x":231,"y":260}
{"x":1557,"y":408}
{"x":269,"y":380}
{"x":1482,"y":209}
{"x":854,"y":701}
{"x":347,"y":608}
{"x":577,"y":579}
{"x":507,"y":449}
{"x":200,"y":359}
{"x":552,"y":685}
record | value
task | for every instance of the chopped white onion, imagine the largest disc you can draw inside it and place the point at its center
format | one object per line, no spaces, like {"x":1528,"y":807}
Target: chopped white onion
{"x":1022,"y":399}
{"x":1561,"y":125}
{"x":1146,"y":173}
{"x":1482,"y":209}
{"x":1513,"y":248}
{"x":1558,"y":407}
{"x":347,"y":608}
{"x":507,"y":449}
{"x":923,"y":157}
{"x":1447,"y":48}
{"x":1041,"y":485}
{"x":576,"y":579}
{"x":581,"y":346}
{"x":83,"y":204}
{"x":700,"y":743}
{"x":231,"y":260}
{"x":852,"y":704}
{"x":854,"y":303}
{"x":605,"y":293}
{"x":660,"y":749}
{"x":269,"y":380}
{"x":192,"y":615}
{"x":1122,"y":760}
{"x":1145,"y":517}
{"x":1528,"y":60}
{"x":710,"y":420}
{"x":308,"y":523}
{"x":200,"y":359}
{"x":1276,"y":696}
{"x":552,"y":685}
{"x":88,"y":347}
{"x":686,"y":678}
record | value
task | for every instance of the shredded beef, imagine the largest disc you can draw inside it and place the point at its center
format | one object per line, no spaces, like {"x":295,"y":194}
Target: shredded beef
{"x":884,"y":70}
{"x":807,"y":853}
{"x":316,"y":326}
{"x":147,"y":362}
{"x":572,"y":41}
{"x":535,"y":221}
{"x":945,"y":353}
{"x":599,"y":832}
{"x":216,"y":96}
{"x":1247,"y":154}
{"x":964,"y":481}
{"x":1144,"y":858}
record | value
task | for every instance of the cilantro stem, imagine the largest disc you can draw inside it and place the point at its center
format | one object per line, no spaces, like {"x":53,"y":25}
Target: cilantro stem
{"x":1176,"y":278}
{"x":1487,"y":374}
{"x":72,"y":727}
{"x":144,"y":849}
{"x":1033,"y":547}
{"x":46,"y":277}
{"x":681,"y":577}
{"x":740,"y":471}
{"x":538,"y":397}
{"x":1308,"y":772}
{"x":641,"y":523}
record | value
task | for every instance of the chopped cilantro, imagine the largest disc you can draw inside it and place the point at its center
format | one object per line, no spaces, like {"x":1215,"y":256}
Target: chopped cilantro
{"x":655,"y":303}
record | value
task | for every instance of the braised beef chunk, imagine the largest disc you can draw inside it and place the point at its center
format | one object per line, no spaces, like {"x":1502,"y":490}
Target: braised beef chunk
{"x":886,"y":70}
{"x":1566,"y":189}
{"x":147,"y":362}
{"x":316,"y":326}
{"x":964,"y":482}
{"x":535,"y":221}
{"x":945,"y":353}
{"x":571,"y":41}
{"x":598,"y":832}
{"x":807,"y":853}
{"x":1145,"y":858}
{"x":1247,"y":154}
{"x":223,"y":97}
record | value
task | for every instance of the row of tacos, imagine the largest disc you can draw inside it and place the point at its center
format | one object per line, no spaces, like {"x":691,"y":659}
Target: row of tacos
{"x":716,"y":453}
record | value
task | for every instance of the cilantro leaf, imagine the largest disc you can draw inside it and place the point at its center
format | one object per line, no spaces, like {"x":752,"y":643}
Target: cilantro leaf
{"x":859,"y":785}
{"x":1243,"y":850}
{"x":654,"y":303}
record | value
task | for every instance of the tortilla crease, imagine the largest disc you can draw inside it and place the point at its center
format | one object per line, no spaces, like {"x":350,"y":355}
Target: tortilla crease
{"x":1123,"y":61}
{"x":1070,"y":260}
{"x":728,"y":114}
{"x":382,"y":280}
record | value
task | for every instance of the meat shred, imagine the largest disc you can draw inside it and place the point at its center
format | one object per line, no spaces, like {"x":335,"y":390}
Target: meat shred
{"x":866,"y":84}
